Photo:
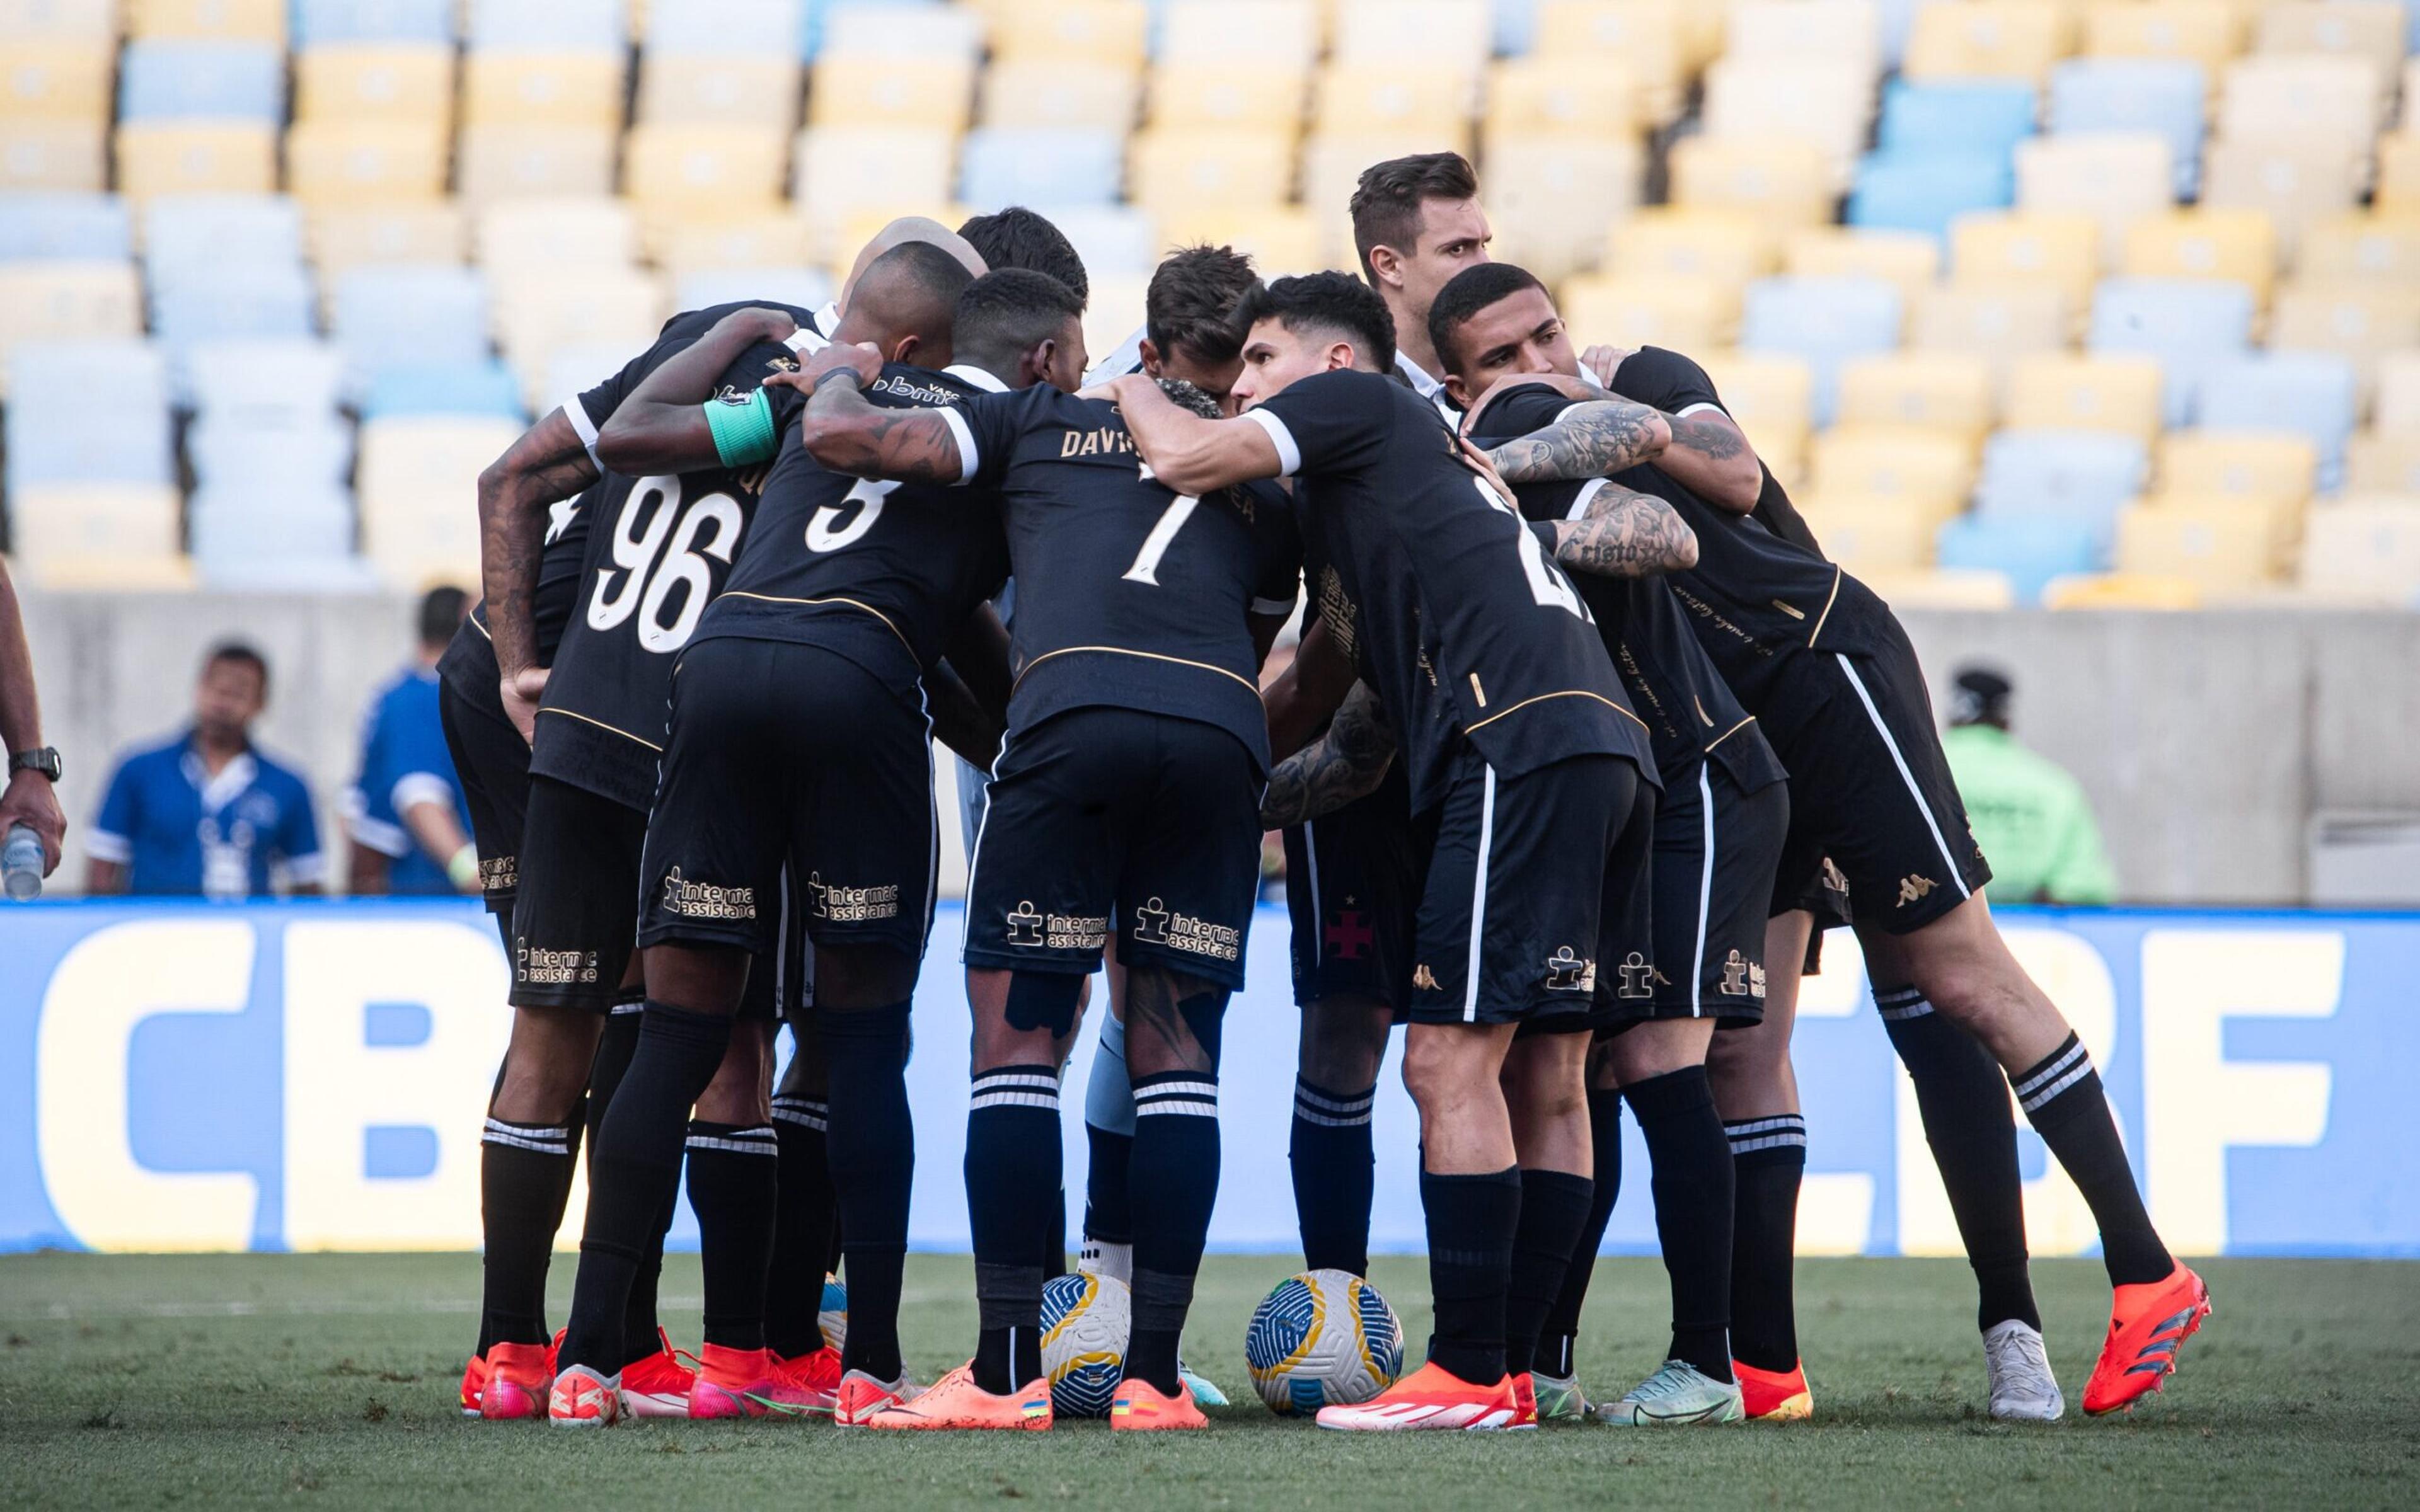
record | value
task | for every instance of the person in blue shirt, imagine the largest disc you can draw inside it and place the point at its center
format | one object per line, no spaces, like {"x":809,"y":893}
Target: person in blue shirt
{"x":405,"y":814}
{"x":207,"y":813}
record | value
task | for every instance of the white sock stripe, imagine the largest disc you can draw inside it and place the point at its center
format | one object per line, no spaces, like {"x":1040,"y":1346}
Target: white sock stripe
{"x":2054,"y":1070}
{"x":1310,"y":1097}
{"x":1325,"y":1121}
{"x":530,"y":1131}
{"x":1778,"y":1141}
{"x":804,"y":1104}
{"x":737,"y":1144}
{"x":2033,"y":1101}
{"x":1900,"y":1012}
{"x":1013,"y":1099}
{"x":818,"y":1120}
{"x":1899,"y":996}
{"x":1176,"y":1089}
{"x":1779,"y":1120}
{"x":1015,"y":1078}
{"x":1191,"y":1106}
{"x":514,"y":1141}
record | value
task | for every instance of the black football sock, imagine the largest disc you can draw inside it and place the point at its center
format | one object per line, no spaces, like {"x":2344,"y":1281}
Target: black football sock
{"x":634,"y":1170}
{"x":1974,"y":1140}
{"x":1556,"y":1354}
{"x":1333,"y":1175}
{"x":1174,"y":1184}
{"x":873,"y":1165}
{"x":1554,"y":1213}
{"x":1013,"y":1174}
{"x":525,"y":1173}
{"x":1768,"y":1163}
{"x":733,"y":1178}
{"x":803,"y":1225}
{"x":1690,"y":1174}
{"x":1471,"y":1220}
{"x":641,"y":1330}
{"x":2062,"y":1095}
{"x":1109,"y":1136}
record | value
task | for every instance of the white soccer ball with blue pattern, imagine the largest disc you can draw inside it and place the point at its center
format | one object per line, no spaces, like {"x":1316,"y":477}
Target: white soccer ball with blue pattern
{"x":1085,"y":1319}
{"x":833,"y":1317}
{"x":1325,"y":1338}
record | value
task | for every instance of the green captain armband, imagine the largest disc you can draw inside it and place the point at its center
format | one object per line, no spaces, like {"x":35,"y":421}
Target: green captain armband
{"x":743,"y":430}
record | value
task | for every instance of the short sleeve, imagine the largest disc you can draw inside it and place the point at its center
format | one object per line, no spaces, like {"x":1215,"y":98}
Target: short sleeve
{"x":1333,"y":423}
{"x":986,"y":427}
{"x":589,"y":409}
{"x":298,"y":833}
{"x":1519,"y":411}
{"x":418,"y":767}
{"x":1665,"y":380}
{"x":112,"y":835}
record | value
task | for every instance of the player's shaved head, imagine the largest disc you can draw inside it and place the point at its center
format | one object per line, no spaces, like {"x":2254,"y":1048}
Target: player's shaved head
{"x":904,"y":303}
{"x":909,"y":230}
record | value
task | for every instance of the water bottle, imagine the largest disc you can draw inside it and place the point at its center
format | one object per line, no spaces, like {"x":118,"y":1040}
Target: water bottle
{"x":20,"y":863}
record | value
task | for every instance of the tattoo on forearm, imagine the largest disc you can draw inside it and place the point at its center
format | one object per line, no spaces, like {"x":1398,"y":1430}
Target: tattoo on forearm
{"x":1339,"y":766}
{"x":549,"y":463}
{"x":1625,"y":534}
{"x":1710,"y":436}
{"x":853,"y":436}
{"x":1591,"y":440}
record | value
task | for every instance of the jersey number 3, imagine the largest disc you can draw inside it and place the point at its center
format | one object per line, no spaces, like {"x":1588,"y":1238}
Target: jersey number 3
{"x":659,"y":547}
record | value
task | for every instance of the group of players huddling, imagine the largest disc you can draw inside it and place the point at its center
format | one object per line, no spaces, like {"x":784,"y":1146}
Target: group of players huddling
{"x":1582,"y":737}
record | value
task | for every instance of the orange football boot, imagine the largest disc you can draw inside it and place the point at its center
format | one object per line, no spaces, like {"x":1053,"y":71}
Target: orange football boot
{"x":657,"y":1385}
{"x":810,"y":1382}
{"x":2149,"y":1322}
{"x":1431,"y":1398}
{"x":1525,"y":1401}
{"x":1141,"y":1408}
{"x":474,"y":1381}
{"x":1775,"y":1395}
{"x":954,"y":1401}
{"x":731,"y":1382}
{"x":519,"y":1378}
{"x":583,"y":1397}
{"x":861,"y":1397}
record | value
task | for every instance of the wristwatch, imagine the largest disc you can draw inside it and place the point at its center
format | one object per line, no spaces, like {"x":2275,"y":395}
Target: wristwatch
{"x":45,"y":761}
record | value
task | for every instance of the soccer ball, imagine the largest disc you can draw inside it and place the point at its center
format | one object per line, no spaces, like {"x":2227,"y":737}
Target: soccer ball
{"x":833,"y":1318}
{"x":1084,"y":1324}
{"x":1321,"y":1339}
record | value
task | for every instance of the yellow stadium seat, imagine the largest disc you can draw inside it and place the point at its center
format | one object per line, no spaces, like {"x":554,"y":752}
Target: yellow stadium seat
{"x":1420,"y":31}
{"x":2054,"y":391}
{"x":2121,"y":590}
{"x":2275,"y":465}
{"x":375,"y":82}
{"x":1998,"y":321}
{"x":2311,"y":97}
{"x":87,"y":21}
{"x":1988,"y":38}
{"x":2366,"y":548}
{"x":65,"y":525}
{"x":1786,"y":182}
{"x":1911,"y":259}
{"x":1170,"y":171}
{"x":2058,"y":248}
{"x":1114,"y":32}
{"x":2383,"y":248}
{"x":234,"y":20}
{"x":1265,"y":102}
{"x":924,"y":94}
{"x":1918,"y":467}
{"x":1840,"y":31}
{"x":538,"y":309}
{"x":505,"y":162}
{"x":2397,"y":400}
{"x":1772,"y":400}
{"x":333,"y":161}
{"x":2383,"y":462}
{"x":1039,"y":92}
{"x":1279,"y":35}
{"x":2237,"y":245}
{"x":1869,"y":534}
{"x":1537,"y":96}
{"x":49,"y":154}
{"x":2399,"y":173}
{"x":423,"y":544}
{"x":774,"y":238}
{"x":1551,"y":199}
{"x":1279,"y":239}
{"x":66,"y":300}
{"x":1728,"y":246}
{"x":2117,"y":179}
{"x":739,"y":167}
{"x":713,"y":90}
{"x":1943,"y":588}
{"x":1825,"y":102}
{"x":197,"y":157}
{"x":1679,"y":313}
{"x":2219,"y":545}
{"x":2370,"y":30}
{"x":550,"y":90}
{"x":1650,"y":39}
{"x":347,"y":236}
{"x":2297,"y":184}
{"x":1113,"y":311}
{"x":525,"y":235}
{"x":2363,"y":322}
{"x":1332,"y":165}
{"x":1390,"y":97}
{"x":2208,"y":32}
{"x":1948,"y":391}
{"x":69,"y":80}
{"x":838,"y":172}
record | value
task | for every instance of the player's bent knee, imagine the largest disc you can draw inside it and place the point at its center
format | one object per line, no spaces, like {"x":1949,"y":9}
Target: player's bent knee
{"x":862,"y":976}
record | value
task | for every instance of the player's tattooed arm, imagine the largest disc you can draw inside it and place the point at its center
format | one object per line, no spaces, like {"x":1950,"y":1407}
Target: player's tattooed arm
{"x":1710,"y":456}
{"x":548,"y":464}
{"x":846,"y":432}
{"x":1625,"y":534}
{"x":661,"y":425}
{"x":1349,"y":761}
{"x":1593,"y":440}
{"x":1188,"y":452}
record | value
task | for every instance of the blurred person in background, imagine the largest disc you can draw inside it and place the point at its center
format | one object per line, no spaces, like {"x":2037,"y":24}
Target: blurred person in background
{"x":206,"y":813}
{"x":405,"y":814}
{"x":30,"y":798}
{"x":2030,"y":816}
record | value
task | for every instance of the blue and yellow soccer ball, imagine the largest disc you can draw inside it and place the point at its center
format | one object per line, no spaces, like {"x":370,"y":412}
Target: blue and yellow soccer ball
{"x":832,"y":1316}
{"x":1325,"y":1338}
{"x":1085,"y":1319}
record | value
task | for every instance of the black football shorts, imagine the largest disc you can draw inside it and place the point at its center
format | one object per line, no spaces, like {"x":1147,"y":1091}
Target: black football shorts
{"x":492,"y":761}
{"x":575,"y":920}
{"x":1352,"y":884}
{"x":1716,"y":852}
{"x":1106,"y":817}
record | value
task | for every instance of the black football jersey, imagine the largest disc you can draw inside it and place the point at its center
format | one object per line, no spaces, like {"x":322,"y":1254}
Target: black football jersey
{"x":884,"y":573}
{"x":1127,"y":593}
{"x":1465,"y":626}
{"x":658,"y":549}
{"x":469,"y":659}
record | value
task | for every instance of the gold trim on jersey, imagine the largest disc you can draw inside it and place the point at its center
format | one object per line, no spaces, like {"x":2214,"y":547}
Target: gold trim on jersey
{"x":1835,"y":597}
{"x":1732,"y":731}
{"x":776,"y":598}
{"x":1567,"y":693}
{"x":1121,"y":651}
{"x":609,"y":728}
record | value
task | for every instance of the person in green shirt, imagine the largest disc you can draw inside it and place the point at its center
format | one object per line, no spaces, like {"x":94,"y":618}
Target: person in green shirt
{"x":2030,"y":816}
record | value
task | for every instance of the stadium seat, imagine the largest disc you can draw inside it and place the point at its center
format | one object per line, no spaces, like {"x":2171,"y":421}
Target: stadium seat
{"x":1823,"y":101}
{"x":1772,"y":400}
{"x":2081,"y":475}
{"x":1924,"y":470}
{"x":472,"y":389}
{"x":406,"y":314}
{"x":1544,"y":96}
{"x":2186,"y":323}
{"x":1396,"y":97}
{"x":202,"y":81}
{"x":1279,"y":239}
{"x":1212,"y":98}
{"x":241,"y":454}
{"x":556,"y":89}
{"x":1728,"y":246}
{"x":344,"y":236}
{"x":1908,"y":258}
{"x":2382,"y":462}
{"x":1001,"y":167}
{"x":2396,"y":405}
{"x":370,"y":162}
{"x":1673,"y":311}
{"x":1823,"y":320}
{"x":2236,"y":245}
{"x":770,"y":239}
{"x":66,"y":300}
{"x":56,"y":433}
{"x":1988,"y":116}
{"x":2364,"y":548}
{"x":2113,"y":177}
{"x":931,"y":34}
{"x":2058,"y":247}
{"x":1648,"y":37}
{"x":374,"y":81}
{"x":2030,"y":550}
{"x":85,"y":226}
{"x":719,"y":168}
{"x":278,"y":383}
{"x":2361,"y":323}
{"x":65,"y":80}
{"x":1945,"y":587}
{"x":2398,"y":189}
{"x":412,"y":457}
{"x":213,"y":303}
{"x":36,"y":154}
{"x":67,"y":524}
{"x":1785,"y":181}
{"x":256,"y":21}
{"x":2296,"y":185}
{"x":902,"y":91}
{"x":841,"y":172}
{"x":2219,"y":545}
{"x":2060,"y":391}
{"x":182,"y":156}
{"x":245,"y":538}
{"x":320,"y":22}
{"x":2311,"y":98}
{"x":1987,"y":40}
{"x":2206,"y":32}
{"x":2309,"y":392}
{"x":203,"y":231}
{"x":537,"y":234}
{"x":2160,"y":96}
{"x":1332,"y":166}
{"x":1837,"y":31}
{"x":1926,"y":192}
{"x":571,"y":25}
{"x":1113,"y":241}
{"x":1112,"y":32}
{"x":2359,"y":248}
{"x":1948,"y":391}
{"x":1551,"y":199}
{"x":1418,"y":32}
{"x":2122,"y":591}
{"x":2374,"y":31}
{"x":1280,"y":37}
{"x":1998,"y":321}
{"x":540,"y":309}
{"x":91,"y":21}
{"x":502,"y":163}
{"x":1868,"y":535}
{"x":1035,"y":92}
{"x":725,"y":30}
{"x":806,"y":287}
{"x":2265,"y":467}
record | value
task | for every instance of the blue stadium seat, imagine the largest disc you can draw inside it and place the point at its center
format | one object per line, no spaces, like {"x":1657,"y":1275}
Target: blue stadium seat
{"x":481,"y":389}
{"x":819,"y":14}
{"x":214,"y":81}
{"x":2161,"y":96}
{"x":1976,"y":115}
{"x":2031,"y":549}
{"x":2187,"y":323}
{"x":1516,"y":27}
{"x":1040,"y":166}
{"x":807,"y":287}
{"x":242,"y":454}
{"x":300,"y":535}
{"x":734,"y":28}
{"x":556,"y":26}
{"x":1114,"y":241}
{"x":2086,"y":475}
{"x":2311,"y":394}
{"x":264,"y":381}
{"x":1824,"y":321}
{"x":373,"y":20}
{"x":63,"y":225}
{"x":1925,"y":190}
{"x":411,"y":316}
{"x":57,"y":434}
{"x":231,"y":300}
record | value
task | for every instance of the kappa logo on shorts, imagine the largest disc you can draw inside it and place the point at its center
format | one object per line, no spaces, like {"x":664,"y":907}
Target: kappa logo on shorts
{"x":1567,"y":971}
{"x":536,"y":966}
{"x":1154,"y":925}
{"x":1742,"y":978}
{"x":704,"y":899}
{"x":1425,"y":980}
{"x":1350,"y":938}
{"x":849,"y":905}
{"x":1637,"y":977}
{"x":1029,"y":928}
{"x":1913,"y":888}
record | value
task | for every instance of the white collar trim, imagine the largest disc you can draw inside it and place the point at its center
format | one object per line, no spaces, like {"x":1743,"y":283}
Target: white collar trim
{"x":980,"y":378}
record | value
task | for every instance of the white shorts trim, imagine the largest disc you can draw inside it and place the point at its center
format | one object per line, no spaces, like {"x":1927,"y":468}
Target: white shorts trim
{"x":1479,"y":892}
{"x":1957,"y":875}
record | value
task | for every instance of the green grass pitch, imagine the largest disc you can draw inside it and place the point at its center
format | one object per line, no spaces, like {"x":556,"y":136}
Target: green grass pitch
{"x":330,"y":1380}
